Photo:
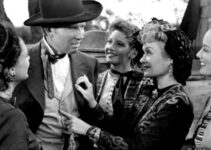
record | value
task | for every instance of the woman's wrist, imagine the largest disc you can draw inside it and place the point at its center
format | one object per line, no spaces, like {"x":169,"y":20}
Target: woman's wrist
{"x":85,"y":129}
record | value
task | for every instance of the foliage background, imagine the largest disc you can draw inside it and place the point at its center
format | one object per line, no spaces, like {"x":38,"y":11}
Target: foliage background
{"x":136,"y":11}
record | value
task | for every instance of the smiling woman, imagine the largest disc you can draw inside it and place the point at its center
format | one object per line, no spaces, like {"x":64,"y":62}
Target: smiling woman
{"x":17,"y":11}
{"x":205,"y":55}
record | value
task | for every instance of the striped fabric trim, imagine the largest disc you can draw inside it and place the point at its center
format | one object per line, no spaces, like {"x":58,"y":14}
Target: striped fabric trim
{"x":201,"y":129}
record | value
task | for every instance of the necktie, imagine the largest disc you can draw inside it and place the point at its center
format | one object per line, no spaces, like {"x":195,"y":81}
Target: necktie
{"x":50,"y":84}
{"x":54,"y":58}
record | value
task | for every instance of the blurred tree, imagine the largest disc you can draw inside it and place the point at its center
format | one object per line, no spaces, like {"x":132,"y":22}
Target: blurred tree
{"x":180,"y":0}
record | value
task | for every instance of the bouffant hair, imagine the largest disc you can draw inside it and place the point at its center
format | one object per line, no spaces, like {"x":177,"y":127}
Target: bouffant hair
{"x":9,"y":52}
{"x":177,"y":46}
{"x":131,"y":32}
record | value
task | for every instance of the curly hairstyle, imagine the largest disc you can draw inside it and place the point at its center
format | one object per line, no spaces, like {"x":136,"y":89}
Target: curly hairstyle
{"x":9,"y":52}
{"x":177,"y":46}
{"x":131,"y":32}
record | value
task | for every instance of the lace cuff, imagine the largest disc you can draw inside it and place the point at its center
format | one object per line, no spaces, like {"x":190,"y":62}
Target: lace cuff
{"x":93,"y":133}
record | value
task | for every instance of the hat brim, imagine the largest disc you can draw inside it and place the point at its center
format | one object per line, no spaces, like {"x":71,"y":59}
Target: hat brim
{"x":91,"y":10}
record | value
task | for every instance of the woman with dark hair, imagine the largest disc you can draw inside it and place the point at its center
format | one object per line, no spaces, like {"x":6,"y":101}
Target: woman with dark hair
{"x":14,"y":64}
{"x":159,"y":122}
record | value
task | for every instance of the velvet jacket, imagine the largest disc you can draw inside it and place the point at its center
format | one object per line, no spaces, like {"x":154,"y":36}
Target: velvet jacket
{"x":14,"y":130}
{"x":162,"y":126}
{"x":30,"y":93}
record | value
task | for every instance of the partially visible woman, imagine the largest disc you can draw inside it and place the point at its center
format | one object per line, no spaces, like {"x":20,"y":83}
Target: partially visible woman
{"x":162,"y":122}
{"x":202,"y":136}
{"x":14,"y":64}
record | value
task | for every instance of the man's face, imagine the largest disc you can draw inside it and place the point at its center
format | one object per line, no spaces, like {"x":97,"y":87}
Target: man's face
{"x":67,"y":39}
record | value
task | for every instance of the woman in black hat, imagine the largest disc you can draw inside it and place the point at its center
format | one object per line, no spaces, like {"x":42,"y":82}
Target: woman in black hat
{"x":161,"y":122}
{"x":14,"y":64}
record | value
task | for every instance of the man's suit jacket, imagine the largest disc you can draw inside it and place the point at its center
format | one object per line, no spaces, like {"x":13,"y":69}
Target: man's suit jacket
{"x":30,"y":93}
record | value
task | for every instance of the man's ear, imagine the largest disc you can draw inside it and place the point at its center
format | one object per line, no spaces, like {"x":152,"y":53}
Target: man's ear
{"x":132,"y":53}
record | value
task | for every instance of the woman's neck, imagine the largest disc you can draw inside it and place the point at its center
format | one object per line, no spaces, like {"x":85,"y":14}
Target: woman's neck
{"x":122,"y":68}
{"x":7,"y":94}
{"x":166,"y":81}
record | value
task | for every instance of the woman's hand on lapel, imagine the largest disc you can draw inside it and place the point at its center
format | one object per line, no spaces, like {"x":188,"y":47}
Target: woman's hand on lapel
{"x":85,"y":88}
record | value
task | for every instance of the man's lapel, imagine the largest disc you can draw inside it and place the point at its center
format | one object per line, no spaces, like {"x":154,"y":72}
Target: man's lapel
{"x":35,"y":82}
{"x":78,"y":68}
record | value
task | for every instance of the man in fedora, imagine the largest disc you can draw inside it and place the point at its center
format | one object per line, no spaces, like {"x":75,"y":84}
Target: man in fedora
{"x":55,"y":65}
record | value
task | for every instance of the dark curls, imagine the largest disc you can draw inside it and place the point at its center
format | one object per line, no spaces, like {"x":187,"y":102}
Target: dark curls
{"x":9,"y":53}
{"x":178,"y":48}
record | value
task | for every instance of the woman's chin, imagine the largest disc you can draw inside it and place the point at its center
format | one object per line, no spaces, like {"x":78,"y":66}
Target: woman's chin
{"x":110,"y":61}
{"x":24,"y":78}
{"x":147,"y":74}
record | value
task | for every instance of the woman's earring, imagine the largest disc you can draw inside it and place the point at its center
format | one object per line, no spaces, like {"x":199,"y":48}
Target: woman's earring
{"x":9,"y":74}
{"x":171,"y":68}
{"x":132,"y":55}
{"x":12,"y":74}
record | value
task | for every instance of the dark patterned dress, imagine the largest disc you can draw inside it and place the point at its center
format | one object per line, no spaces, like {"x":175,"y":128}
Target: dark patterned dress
{"x":151,"y":123}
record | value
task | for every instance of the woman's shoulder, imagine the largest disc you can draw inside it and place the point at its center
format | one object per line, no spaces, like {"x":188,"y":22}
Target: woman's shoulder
{"x":177,"y":95}
{"x":7,"y":110}
{"x":14,"y":131}
{"x":5,"y":106}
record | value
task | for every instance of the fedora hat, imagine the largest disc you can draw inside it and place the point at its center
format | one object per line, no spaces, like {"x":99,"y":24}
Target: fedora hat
{"x":60,"y":12}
